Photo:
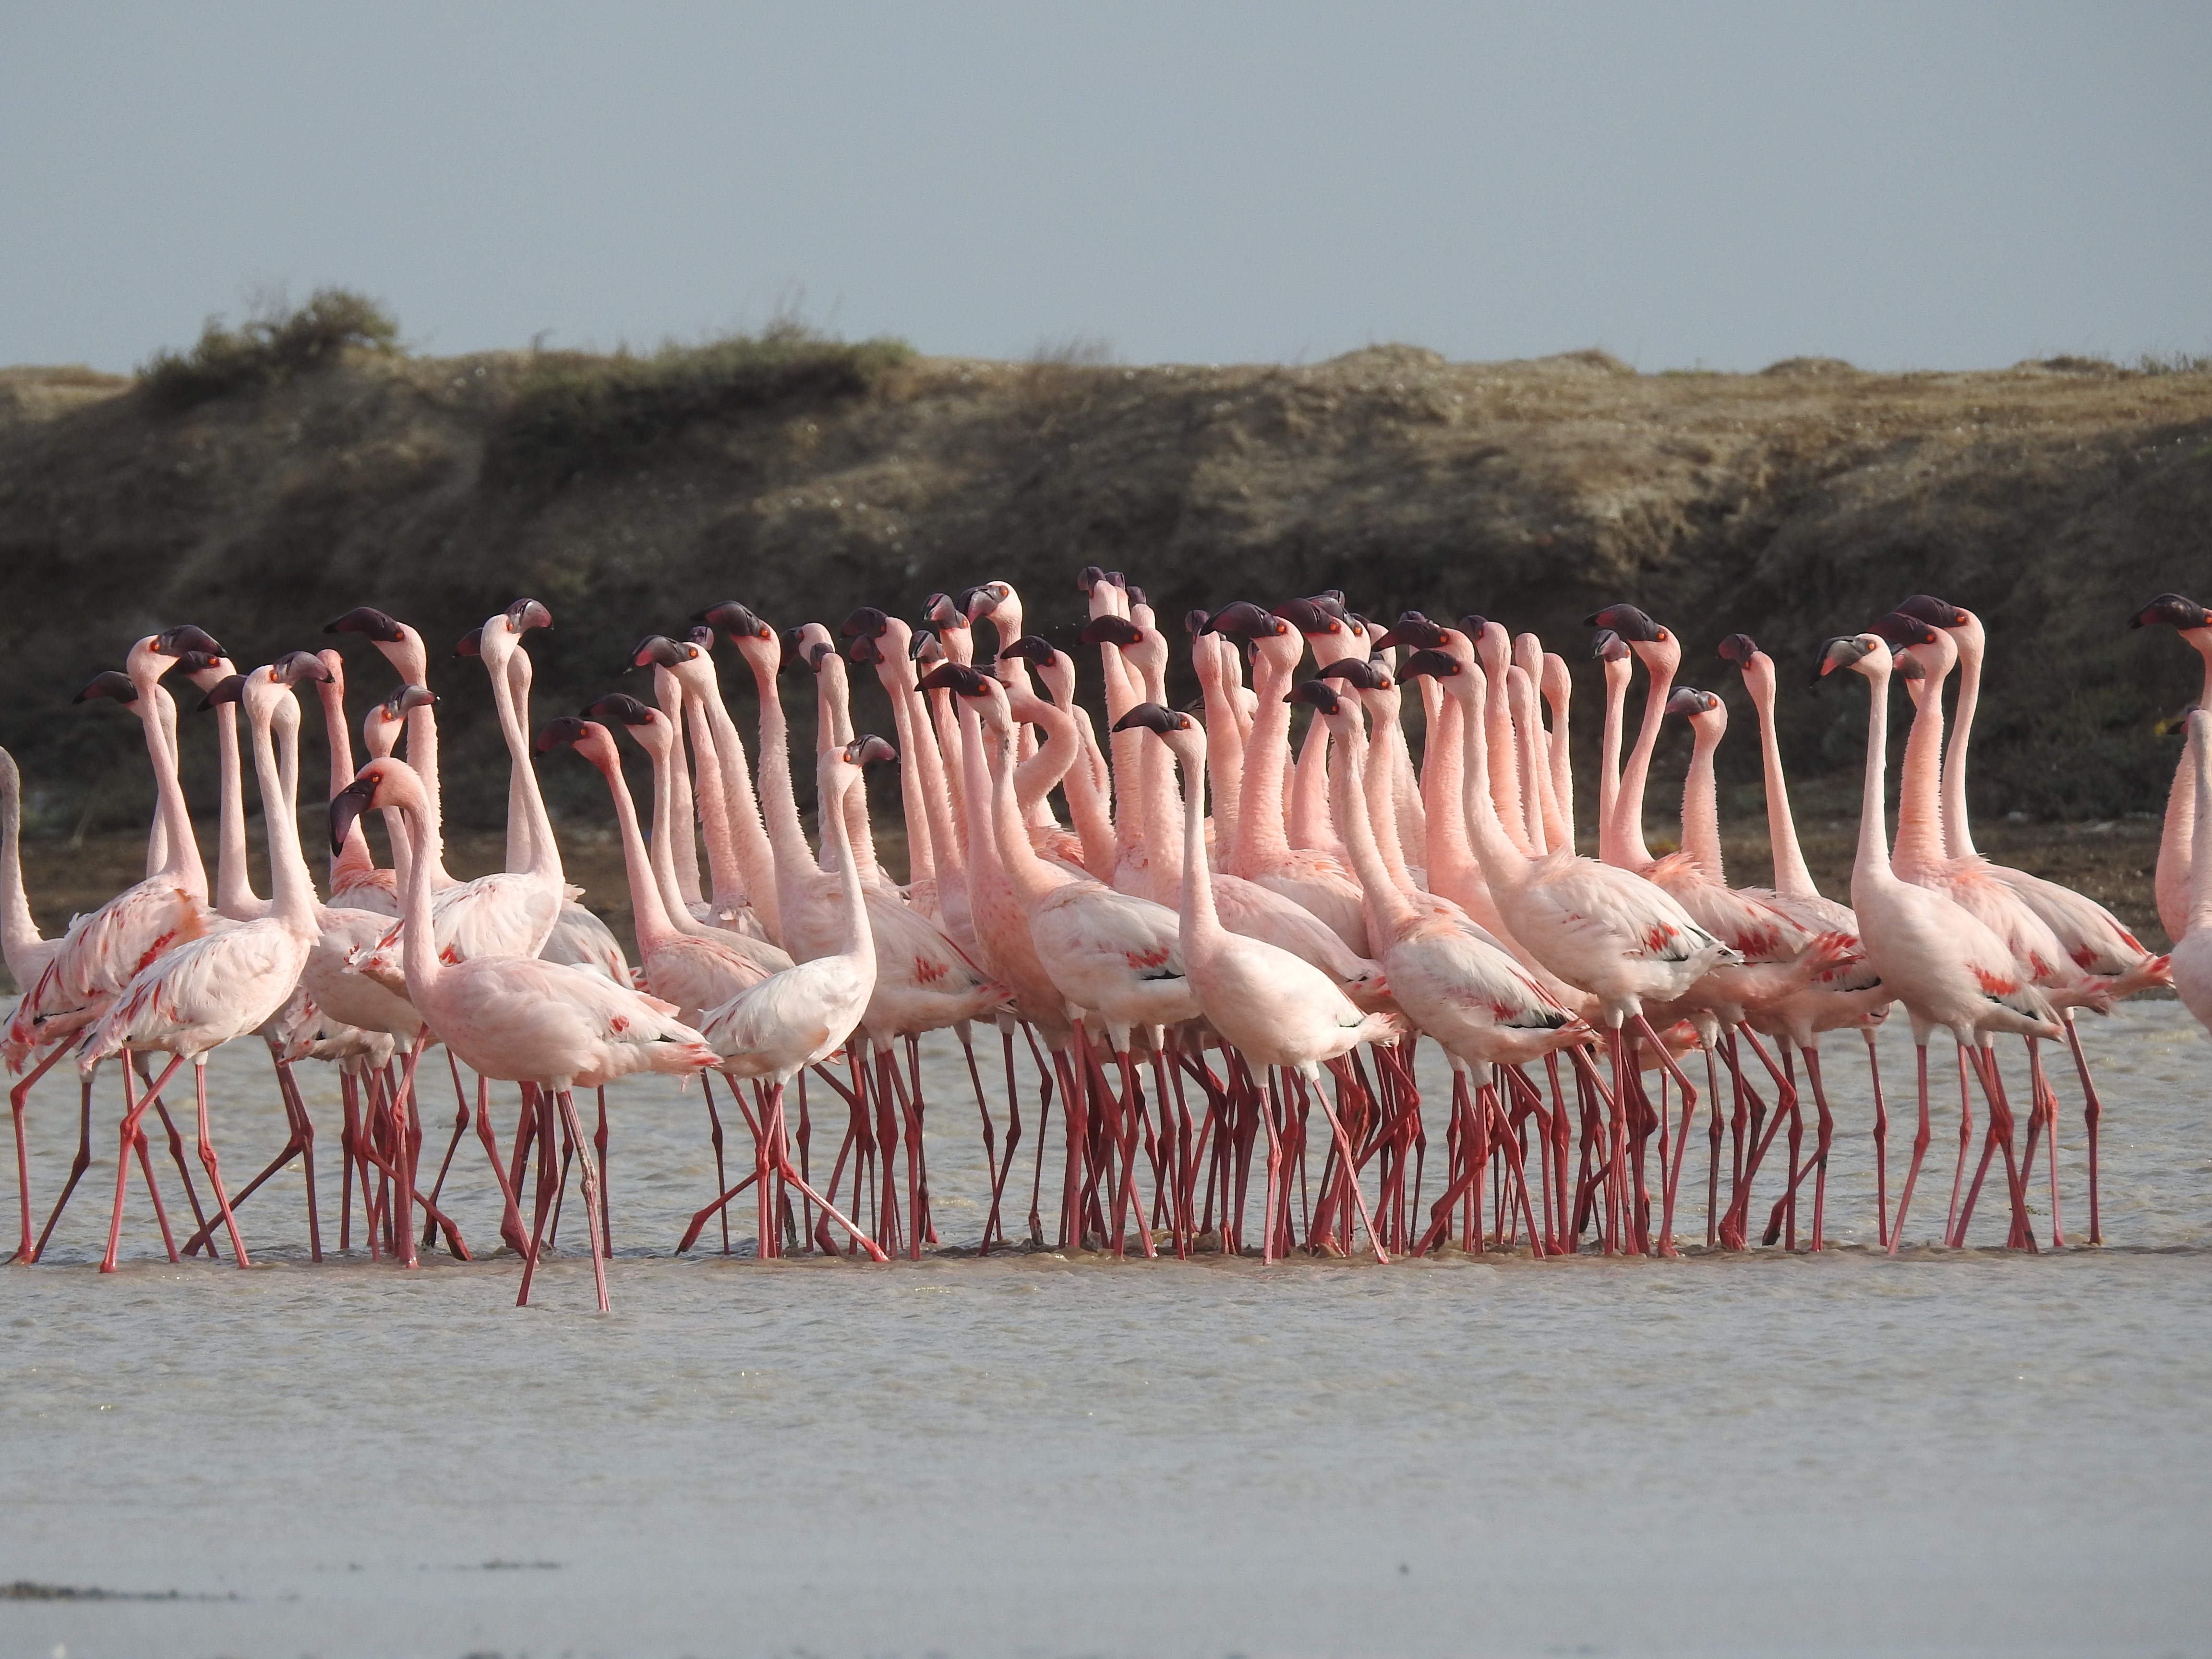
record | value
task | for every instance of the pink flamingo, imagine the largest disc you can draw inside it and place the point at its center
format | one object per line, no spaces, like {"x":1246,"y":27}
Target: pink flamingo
{"x":101,"y":952}
{"x":2193,"y":952}
{"x":550,"y":1024}
{"x":2174,"y":886}
{"x":1278,"y":1011}
{"x":775,"y":1029}
{"x":1613,"y":933}
{"x":212,"y":990}
{"x":1949,"y":970}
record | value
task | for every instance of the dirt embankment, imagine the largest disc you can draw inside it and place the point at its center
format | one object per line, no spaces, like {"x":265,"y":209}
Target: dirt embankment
{"x":1791,"y":504}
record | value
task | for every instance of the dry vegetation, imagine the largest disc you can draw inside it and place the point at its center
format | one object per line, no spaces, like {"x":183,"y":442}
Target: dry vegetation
{"x":806,"y":474}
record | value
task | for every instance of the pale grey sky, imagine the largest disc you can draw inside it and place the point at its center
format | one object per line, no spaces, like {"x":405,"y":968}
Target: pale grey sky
{"x":1899,"y":184}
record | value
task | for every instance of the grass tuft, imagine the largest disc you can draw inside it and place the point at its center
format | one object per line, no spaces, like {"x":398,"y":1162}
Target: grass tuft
{"x":572,"y":407}
{"x":276,"y":342}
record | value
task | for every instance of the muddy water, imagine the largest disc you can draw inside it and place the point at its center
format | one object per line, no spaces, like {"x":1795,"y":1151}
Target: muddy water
{"x":1948,"y":1452}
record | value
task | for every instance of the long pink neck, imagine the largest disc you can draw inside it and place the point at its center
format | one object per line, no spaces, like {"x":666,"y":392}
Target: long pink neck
{"x":1310,"y":816}
{"x":1628,"y":810}
{"x":233,"y":886}
{"x":920,"y":837}
{"x":1032,"y":880}
{"x":779,"y":805}
{"x":1528,"y":749}
{"x":181,"y":862}
{"x":1790,"y":874}
{"x":19,"y":931}
{"x":1608,"y":764}
{"x":1701,"y":807}
{"x":729,"y":881}
{"x":748,"y":842}
{"x":1504,"y":759}
{"x":683,"y":836}
{"x":1504,"y":866}
{"x":1378,"y":789}
{"x":1262,"y":840}
{"x":418,"y":949}
{"x":2200,"y":867}
{"x":353,"y":864}
{"x":852,"y":893}
{"x":293,"y":902}
{"x":1200,"y":926}
{"x":1560,"y":751}
{"x":1224,"y":739}
{"x":1381,"y":890}
{"x":655,"y":928}
{"x":545,"y":853}
{"x":1919,"y":807}
{"x":1872,"y":866}
{"x":1958,"y":829}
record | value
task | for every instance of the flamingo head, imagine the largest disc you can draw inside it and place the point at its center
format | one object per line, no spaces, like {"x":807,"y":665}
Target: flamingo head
{"x":1032,"y":648}
{"x":868,"y":750}
{"x":1313,"y":619}
{"x":735,"y":621}
{"x":383,"y":782}
{"x":1195,"y":621}
{"x":1111,"y":630}
{"x":865,"y":623}
{"x":2173,"y":611}
{"x":226,"y":689}
{"x":1364,"y":674}
{"x":659,"y":651}
{"x":1246,"y":621}
{"x":1757,"y":667}
{"x":1317,"y":695}
{"x":1654,"y":646}
{"x":988,"y":599}
{"x":958,"y":679}
{"x":525,"y":614}
{"x":1863,"y":653}
{"x":1414,"y":629}
{"x":370,"y":623}
{"x":108,"y":683}
{"x":587,"y":738}
{"x":1707,"y":713}
{"x":1920,"y":651}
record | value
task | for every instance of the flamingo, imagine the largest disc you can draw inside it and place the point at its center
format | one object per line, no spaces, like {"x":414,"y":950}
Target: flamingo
{"x":1277,"y":1010}
{"x":201,"y":994}
{"x":1948,"y":968}
{"x":1615,"y":935}
{"x":1262,"y":852}
{"x":801,"y":1017}
{"x":1841,"y":998}
{"x":2193,"y":952}
{"x":103,"y":951}
{"x":553,"y":1025}
{"x":2090,"y":935}
{"x":2172,"y":883}
{"x":1452,"y":980}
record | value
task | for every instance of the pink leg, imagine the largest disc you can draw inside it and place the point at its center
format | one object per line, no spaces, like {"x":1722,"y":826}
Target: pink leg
{"x":212,"y":1165}
{"x":1881,"y":1144}
{"x":1920,"y":1140}
{"x":2092,"y":1111}
{"x":25,"y":1252}
{"x":77,"y":1166}
{"x":132,"y":1111}
{"x":789,"y":1171}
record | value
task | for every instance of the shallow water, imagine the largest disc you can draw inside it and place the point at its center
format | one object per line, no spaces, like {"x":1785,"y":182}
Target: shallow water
{"x":1948,"y":1452}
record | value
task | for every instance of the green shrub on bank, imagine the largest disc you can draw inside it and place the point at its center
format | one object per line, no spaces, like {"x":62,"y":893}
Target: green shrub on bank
{"x":271,"y":346}
{"x":572,"y":407}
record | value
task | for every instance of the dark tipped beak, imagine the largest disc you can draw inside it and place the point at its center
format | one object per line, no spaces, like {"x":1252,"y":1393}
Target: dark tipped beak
{"x":1688,"y":700}
{"x":471,"y":644}
{"x":293,"y":666}
{"x":1146,"y":716}
{"x":864,"y":651}
{"x":175,"y":641}
{"x":867,"y":748}
{"x":224,"y":690}
{"x":525,"y":614}
{"x":110,"y":685}
{"x":1307,"y":617}
{"x":1194,"y":622}
{"x":1316,"y":693}
{"x":346,"y":806}
{"x":558,"y":733}
{"x":1739,"y":648}
{"x":1244,"y":620}
{"x":1441,"y":664}
{"x":1088,"y":578}
{"x":957,"y":677}
{"x":866,"y":623}
{"x":1110,"y":630}
{"x":1608,"y":647}
{"x":368,"y":620}
{"x":733,"y":619}
{"x":1628,"y":621}
{"x":620,"y":706}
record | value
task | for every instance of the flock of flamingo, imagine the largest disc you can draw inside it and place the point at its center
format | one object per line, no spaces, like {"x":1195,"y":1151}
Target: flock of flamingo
{"x":1188,"y":986}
